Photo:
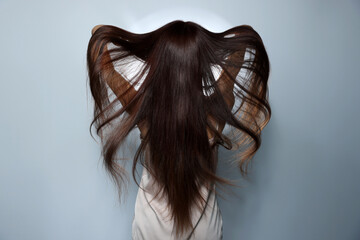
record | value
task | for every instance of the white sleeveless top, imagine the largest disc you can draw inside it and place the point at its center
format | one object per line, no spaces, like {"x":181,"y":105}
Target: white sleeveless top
{"x":152,"y":219}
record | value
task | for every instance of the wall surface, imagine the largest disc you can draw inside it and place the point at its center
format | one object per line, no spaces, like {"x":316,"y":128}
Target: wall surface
{"x":304,"y":181}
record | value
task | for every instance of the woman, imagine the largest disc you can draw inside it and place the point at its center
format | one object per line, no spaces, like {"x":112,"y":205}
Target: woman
{"x":180,"y":108}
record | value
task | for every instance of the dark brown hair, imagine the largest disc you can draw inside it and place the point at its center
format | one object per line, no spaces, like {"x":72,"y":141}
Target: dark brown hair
{"x":178,"y":95}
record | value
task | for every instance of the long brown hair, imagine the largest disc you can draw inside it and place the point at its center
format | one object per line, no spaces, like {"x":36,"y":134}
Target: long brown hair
{"x":178,"y":94}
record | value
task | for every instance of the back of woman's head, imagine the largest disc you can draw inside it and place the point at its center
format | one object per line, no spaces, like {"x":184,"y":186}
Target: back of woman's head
{"x":178,"y":95}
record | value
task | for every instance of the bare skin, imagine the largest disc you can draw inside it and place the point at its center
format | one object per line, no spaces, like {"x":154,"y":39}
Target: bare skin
{"x":118,"y":85}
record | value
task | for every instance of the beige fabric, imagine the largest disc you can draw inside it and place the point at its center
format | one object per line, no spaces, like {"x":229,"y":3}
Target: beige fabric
{"x":152,"y":222}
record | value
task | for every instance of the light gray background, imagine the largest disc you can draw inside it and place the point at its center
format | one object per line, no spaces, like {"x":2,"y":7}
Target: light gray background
{"x":303,"y":182}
